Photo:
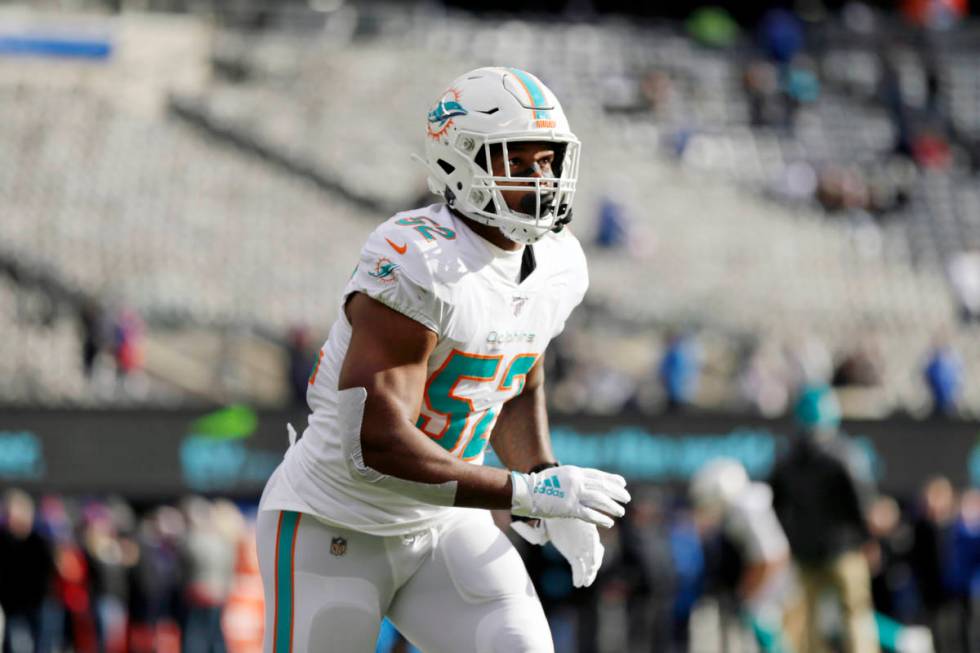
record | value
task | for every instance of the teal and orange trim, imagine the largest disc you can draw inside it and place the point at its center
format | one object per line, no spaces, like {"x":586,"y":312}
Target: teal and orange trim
{"x":536,"y":96}
{"x":285,"y":573}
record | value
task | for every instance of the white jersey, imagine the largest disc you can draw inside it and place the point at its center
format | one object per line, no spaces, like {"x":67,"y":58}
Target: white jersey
{"x":752,"y":526}
{"x":429,"y":266}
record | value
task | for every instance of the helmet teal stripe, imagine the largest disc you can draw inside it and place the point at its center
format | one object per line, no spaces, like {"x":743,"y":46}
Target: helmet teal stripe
{"x":534,"y":90}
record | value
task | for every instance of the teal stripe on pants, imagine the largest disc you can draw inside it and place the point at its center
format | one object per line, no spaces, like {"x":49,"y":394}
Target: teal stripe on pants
{"x":285,"y":543}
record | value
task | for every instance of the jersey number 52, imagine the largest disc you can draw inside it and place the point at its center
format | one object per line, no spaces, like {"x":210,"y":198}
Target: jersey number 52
{"x":466,"y":429}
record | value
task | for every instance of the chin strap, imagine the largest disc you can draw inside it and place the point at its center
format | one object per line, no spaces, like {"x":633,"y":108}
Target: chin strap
{"x":562,"y":221}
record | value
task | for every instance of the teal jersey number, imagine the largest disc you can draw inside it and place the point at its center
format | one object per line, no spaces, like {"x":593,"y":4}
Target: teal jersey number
{"x":428,"y":231}
{"x":441,"y":398}
{"x":440,"y":395}
{"x":518,"y":368}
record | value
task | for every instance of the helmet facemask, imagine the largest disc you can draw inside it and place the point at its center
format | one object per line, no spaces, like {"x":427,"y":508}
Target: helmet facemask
{"x":547,"y":201}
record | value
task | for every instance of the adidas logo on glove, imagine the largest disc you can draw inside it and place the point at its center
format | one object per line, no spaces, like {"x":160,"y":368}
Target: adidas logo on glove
{"x":551,"y":487}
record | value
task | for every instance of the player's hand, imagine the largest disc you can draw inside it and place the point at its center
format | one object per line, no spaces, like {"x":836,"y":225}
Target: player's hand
{"x":576,"y":540}
{"x":569,"y":491}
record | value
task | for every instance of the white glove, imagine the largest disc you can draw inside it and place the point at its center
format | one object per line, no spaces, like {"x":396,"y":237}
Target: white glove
{"x":569,"y":491}
{"x":574,"y":539}
{"x":915,"y":639}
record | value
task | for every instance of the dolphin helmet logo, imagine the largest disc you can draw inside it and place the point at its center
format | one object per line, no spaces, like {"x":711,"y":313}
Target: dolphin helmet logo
{"x":441,"y":117}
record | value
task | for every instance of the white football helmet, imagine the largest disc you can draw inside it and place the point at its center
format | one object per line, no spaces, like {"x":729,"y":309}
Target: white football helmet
{"x":495,"y":107}
{"x":718,"y":483}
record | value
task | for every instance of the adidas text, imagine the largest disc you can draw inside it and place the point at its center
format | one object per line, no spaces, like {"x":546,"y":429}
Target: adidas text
{"x":550,"y":491}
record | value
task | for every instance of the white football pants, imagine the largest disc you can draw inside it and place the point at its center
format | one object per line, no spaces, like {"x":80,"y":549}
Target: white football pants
{"x":456,"y":589}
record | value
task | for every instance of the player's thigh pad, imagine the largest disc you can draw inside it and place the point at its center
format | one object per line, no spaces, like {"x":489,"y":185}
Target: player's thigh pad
{"x":325,"y":588}
{"x":472,"y":595}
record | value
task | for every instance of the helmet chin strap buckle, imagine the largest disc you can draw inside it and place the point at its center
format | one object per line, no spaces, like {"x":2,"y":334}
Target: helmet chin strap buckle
{"x":563,"y":220}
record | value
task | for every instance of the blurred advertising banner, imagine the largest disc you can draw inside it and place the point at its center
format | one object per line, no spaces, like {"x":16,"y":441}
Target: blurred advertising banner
{"x":231,"y":451}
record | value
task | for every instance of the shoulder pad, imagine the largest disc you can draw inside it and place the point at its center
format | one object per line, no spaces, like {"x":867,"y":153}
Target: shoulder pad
{"x":422,"y":243}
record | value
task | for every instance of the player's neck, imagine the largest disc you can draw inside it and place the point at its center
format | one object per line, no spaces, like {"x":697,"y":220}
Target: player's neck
{"x":492,"y":234}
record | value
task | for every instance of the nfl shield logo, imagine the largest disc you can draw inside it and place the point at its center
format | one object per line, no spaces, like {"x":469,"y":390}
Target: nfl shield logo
{"x":517,"y":302}
{"x":338,"y":546}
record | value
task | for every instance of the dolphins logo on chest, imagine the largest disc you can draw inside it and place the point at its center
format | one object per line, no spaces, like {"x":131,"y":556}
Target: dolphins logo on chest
{"x":338,"y":546}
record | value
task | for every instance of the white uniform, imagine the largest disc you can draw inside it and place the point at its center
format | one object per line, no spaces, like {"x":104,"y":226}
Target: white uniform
{"x":751,"y":525}
{"x":429,"y":266}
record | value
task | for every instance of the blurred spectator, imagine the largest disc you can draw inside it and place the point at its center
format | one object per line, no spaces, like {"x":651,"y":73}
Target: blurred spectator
{"x":73,"y":589}
{"x":800,"y":85}
{"x":890,"y":185}
{"x":155,"y":604}
{"x":109,"y":554}
{"x":964,"y":276}
{"x":861,"y":366}
{"x":613,"y":225}
{"x":209,"y":562}
{"x":680,"y":370}
{"x":890,"y":95}
{"x":892,"y":584}
{"x":931,"y":149}
{"x":301,"y":363}
{"x":26,"y":572}
{"x":966,"y":564}
{"x":93,"y":335}
{"x":605,"y":601}
{"x":809,"y":361}
{"x":127,"y":342}
{"x":763,"y":380}
{"x":934,"y":14}
{"x":689,"y":567}
{"x":760,"y":80}
{"x":943,"y":375}
{"x":842,"y":188}
{"x":648,"y":560}
{"x":819,"y":494}
{"x":657,"y":91}
{"x":713,"y":27}
{"x":781,"y":35}
{"x":931,"y":564}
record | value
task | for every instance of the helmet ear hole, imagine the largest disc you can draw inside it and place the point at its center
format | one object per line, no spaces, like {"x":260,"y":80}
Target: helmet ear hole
{"x":447,"y":167}
{"x":481,"y":159}
{"x":481,"y":156}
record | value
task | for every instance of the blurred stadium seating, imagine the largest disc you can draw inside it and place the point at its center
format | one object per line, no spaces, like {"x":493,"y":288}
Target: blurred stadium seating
{"x":307,"y":145}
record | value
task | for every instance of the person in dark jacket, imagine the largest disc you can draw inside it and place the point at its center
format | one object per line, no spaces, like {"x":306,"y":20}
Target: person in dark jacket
{"x":932,"y":565}
{"x":26,"y":568}
{"x":820,"y":493}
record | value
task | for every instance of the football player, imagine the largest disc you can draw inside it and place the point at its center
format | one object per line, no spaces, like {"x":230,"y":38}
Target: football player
{"x":726,"y":500}
{"x":380,"y":508}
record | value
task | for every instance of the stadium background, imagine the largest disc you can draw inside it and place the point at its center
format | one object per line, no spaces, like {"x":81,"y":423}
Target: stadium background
{"x":773,"y":197}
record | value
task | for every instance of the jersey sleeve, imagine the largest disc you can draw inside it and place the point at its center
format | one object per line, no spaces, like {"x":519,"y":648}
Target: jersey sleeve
{"x":392,"y":269}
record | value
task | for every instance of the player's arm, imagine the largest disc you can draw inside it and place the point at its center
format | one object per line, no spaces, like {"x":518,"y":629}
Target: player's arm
{"x":520,"y":437}
{"x":385,"y":369}
{"x":388,"y":356}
